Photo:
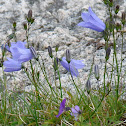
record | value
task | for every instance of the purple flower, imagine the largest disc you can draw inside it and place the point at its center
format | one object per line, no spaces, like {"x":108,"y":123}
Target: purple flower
{"x":92,"y":21}
{"x":73,"y":66}
{"x":12,"y":65}
{"x":20,"y":52}
{"x":62,"y":108}
{"x":75,"y":112}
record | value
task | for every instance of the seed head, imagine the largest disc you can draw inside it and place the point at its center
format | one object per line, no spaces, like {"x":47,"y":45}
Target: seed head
{"x":34,"y":52}
{"x":108,"y":51}
{"x":123,"y":18}
{"x":117,"y":9}
{"x":56,"y":60}
{"x":29,"y":14}
{"x":14,"y":25}
{"x":96,"y":70}
{"x":110,"y":3}
{"x":56,"y":48}
{"x":118,"y":26}
{"x":25,"y":26}
{"x":50,"y":51}
{"x":68,"y":55}
{"x":88,"y":86}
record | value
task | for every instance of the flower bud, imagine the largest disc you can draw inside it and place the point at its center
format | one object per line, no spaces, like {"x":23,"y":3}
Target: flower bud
{"x":29,"y":14}
{"x":110,"y":3}
{"x":67,"y":108}
{"x":68,"y":55}
{"x":96,"y":70}
{"x":123,"y":18}
{"x":105,"y":2}
{"x":32,"y":20}
{"x":56,"y":48}
{"x":108,"y":51}
{"x":118,"y":27}
{"x":38,"y":74}
{"x":117,"y":9}
{"x":14,"y":25}
{"x":34,"y":52}
{"x":56,"y":60}
{"x":25,"y":26}
{"x":88,"y":86}
{"x":50,"y":51}
{"x":106,"y":34}
{"x":29,"y":17}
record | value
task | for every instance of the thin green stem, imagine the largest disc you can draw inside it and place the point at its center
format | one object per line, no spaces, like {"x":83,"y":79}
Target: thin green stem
{"x":60,"y":83}
{"x":5,"y":103}
{"x":45,"y":75}
{"x":117,"y":70}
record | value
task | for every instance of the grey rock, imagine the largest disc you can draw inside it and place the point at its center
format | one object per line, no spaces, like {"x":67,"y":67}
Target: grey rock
{"x":56,"y":24}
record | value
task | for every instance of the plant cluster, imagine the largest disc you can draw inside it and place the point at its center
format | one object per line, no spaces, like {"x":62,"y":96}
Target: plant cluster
{"x":48,"y":106}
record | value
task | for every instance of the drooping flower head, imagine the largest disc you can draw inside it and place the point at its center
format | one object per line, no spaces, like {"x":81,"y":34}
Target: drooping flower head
{"x":20,"y":52}
{"x":73,"y":66}
{"x":62,"y":108}
{"x":12,"y":65}
{"x":90,"y":20}
{"x":75,"y":112}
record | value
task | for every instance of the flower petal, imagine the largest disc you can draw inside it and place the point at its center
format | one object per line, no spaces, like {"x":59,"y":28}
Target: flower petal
{"x":62,"y":108}
{"x":77,"y":108}
{"x":15,"y":52}
{"x":65,"y":64}
{"x":74,"y":110}
{"x":94,"y":16}
{"x":77,"y":63}
{"x":93,"y":26}
{"x":82,"y":24}
{"x":92,"y":21}
{"x":22,"y":54}
{"x":72,"y":66}
{"x":73,"y":70}
{"x":18,"y":44}
{"x":21,"y":44}
{"x":26,"y":55}
{"x":95,"y":19}
{"x":85,"y":16}
{"x":12,"y":65}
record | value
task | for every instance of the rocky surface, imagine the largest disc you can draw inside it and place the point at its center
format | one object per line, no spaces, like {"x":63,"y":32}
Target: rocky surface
{"x":56,"y":23}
